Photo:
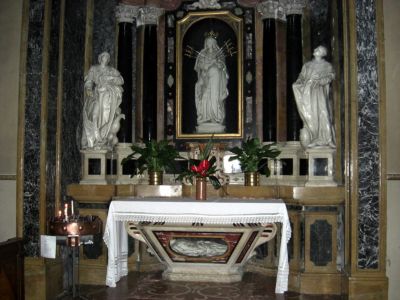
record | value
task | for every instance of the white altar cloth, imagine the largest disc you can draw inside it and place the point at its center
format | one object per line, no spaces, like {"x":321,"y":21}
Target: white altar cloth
{"x":185,"y":210}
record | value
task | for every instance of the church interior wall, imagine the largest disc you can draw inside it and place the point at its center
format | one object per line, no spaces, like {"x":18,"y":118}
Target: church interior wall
{"x":10,"y":32}
{"x":392,"y":68}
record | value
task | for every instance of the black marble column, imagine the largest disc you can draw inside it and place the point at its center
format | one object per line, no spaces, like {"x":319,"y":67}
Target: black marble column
{"x":269,"y":80}
{"x":149,"y":83}
{"x":294,"y":63}
{"x":125,"y":68}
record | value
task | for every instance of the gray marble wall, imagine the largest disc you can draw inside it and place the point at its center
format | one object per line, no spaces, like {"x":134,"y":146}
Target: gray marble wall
{"x":368,"y":135}
{"x":32,"y":128}
{"x":320,"y":24}
{"x":52,"y":107}
{"x":104,"y":29}
{"x":73,"y":78}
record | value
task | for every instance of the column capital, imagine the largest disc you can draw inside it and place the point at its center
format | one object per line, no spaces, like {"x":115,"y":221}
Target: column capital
{"x":149,"y":15}
{"x":272,"y":9}
{"x":126,"y":13}
{"x":295,"y":7}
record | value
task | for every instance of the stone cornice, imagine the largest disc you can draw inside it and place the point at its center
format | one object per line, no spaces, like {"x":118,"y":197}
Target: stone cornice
{"x":272,"y":9}
{"x":295,"y":7}
{"x":126,"y":13}
{"x":149,"y":15}
{"x":279,"y":9}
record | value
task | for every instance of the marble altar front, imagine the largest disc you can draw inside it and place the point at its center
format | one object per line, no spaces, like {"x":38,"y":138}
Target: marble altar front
{"x":196,"y":241}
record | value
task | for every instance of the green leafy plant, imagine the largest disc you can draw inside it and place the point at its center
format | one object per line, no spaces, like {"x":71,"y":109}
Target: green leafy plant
{"x":252,"y":153}
{"x":154,"y":156}
{"x":205,"y":166}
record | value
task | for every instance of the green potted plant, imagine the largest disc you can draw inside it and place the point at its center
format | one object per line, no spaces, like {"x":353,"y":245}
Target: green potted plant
{"x":153,"y":156}
{"x":250,"y":157}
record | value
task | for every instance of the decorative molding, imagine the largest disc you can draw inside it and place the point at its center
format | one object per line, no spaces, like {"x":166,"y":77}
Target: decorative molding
{"x":295,"y":7}
{"x":149,"y":15}
{"x":279,"y":9}
{"x":126,"y":13}
{"x":393,"y":176}
{"x":8,"y":177}
{"x":272,"y":9}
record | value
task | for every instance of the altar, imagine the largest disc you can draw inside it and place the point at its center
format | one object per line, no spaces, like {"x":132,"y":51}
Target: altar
{"x":196,"y":240}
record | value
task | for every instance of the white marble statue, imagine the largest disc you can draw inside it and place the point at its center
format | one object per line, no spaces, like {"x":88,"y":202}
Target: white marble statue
{"x":211,"y":87}
{"x":311,"y":91}
{"x":101,"y":112}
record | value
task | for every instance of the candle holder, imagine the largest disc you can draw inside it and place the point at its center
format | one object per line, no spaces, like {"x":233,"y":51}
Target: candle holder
{"x":72,"y":231}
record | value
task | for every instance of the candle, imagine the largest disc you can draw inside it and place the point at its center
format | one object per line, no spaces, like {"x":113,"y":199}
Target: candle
{"x":66,"y":211}
{"x":59,"y":213}
{"x":72,"y":207}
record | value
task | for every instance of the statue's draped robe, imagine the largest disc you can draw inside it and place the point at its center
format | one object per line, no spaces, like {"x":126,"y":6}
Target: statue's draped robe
{"x":211,"y":87}
{"x":311,"y":91}
{"x":100,"y":109}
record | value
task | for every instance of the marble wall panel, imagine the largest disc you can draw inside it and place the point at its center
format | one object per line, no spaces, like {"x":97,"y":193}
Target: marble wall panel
{"x":320,"y":25}
{"x":104,"y":29}
{"x":32,"y":128}
{"x":368,"y":135}
{"x":73,"y":73}
{"x":52,"y":107}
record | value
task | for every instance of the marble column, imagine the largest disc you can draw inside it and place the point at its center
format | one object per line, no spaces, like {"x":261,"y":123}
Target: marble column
{"x":294,"y":11}
{"x":271,"y":12}
{"x":147,"y":29}
{"x":125,"y":16}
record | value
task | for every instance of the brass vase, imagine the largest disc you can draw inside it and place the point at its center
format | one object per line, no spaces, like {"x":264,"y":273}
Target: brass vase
{"x":155,"y":178}
{"x":201,"y":188}
{"x":251,"y":178}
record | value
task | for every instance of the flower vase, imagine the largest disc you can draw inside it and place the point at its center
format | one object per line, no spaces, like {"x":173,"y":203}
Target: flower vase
{"x":251,"y":179}
{"x":201,"y":188}
{"x":155,"y":178}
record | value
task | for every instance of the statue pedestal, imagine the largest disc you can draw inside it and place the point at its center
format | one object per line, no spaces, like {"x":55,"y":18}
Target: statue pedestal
{"x":290,"y":167}
{"x":210,"y":128}
{"x":94,"y":166}
{"x":122,"y":150}
{"x":320,"y":166}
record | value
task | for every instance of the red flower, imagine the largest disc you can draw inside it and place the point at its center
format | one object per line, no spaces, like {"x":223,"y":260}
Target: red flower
{"x":202,"y":168}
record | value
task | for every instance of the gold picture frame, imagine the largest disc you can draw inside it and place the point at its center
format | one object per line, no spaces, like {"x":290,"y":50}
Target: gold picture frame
{"x":192,"y":31}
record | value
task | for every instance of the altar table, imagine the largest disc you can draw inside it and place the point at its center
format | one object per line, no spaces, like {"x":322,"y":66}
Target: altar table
{"x":213,"y":212}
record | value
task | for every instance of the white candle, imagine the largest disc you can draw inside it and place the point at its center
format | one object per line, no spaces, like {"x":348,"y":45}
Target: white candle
{"x":72,"y":207}
{"x":66,"y":211}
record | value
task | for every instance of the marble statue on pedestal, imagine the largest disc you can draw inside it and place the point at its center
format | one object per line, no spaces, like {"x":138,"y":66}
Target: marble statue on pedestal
{"x":311,"y":91}
{"x":101,"y":113}
{"x":211,"y":87}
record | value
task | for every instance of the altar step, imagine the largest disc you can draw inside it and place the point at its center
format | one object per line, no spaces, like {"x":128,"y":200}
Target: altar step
{"x":142,"y":286}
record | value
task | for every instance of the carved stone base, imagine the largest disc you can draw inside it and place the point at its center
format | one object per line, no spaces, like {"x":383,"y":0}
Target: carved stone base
{"x":205,"y":253}
{"x":367,"y":288}
{"x":122,"y":150}
{"x":204,"y":274}
{"x":210,"y":128}
{"x":320,"y":166}
{"x":290,"y":168}
{"x":94,"y":166}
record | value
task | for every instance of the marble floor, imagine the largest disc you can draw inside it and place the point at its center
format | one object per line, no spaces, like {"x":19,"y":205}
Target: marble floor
{"x":146,"y":286}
